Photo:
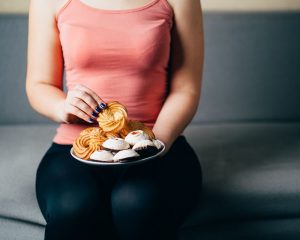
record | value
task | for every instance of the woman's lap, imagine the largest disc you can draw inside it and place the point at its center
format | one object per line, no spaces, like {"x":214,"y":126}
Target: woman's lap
{"x":69,"y":195}
{"x":177,"y":176}
{"x":168,"y":186}
{"x":180,"y":178}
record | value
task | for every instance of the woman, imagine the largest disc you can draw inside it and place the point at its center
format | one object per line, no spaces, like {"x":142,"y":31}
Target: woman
{"x":146,"y":54}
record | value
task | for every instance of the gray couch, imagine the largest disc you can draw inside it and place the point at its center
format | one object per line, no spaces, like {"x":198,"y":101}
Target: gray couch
{"x":246,"y":132}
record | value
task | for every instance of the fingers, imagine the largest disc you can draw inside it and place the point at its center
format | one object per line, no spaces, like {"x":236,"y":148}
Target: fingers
{"x":84,"y":107}
{"x":83,"y":103}
{"x":79,"y":113}
{"x":97,"y":100}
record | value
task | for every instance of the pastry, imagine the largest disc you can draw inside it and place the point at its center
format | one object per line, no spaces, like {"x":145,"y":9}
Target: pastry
{"x":126,"y":156}
{"x":115,"y":144}
{"x":145,"y":148}
{"x":136,"y":136}
{"x":124,"y":131}
{"x":136,"y":125}
{"x":86,"y":144}
{"x":102,"y":155}
{"x":157,"y":144}
{"x":113,"y":118}
{"x":115,"y":133}
{"x":111,"y":135}
{"x":91,"y":131}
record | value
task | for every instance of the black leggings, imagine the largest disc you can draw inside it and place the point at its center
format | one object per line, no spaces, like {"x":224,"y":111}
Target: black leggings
{"x":144,"y":201}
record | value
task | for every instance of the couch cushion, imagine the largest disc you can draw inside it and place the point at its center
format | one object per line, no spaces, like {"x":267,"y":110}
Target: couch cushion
{"x":270,"y":229}
{"x":11,"y":229}
{"x":22,"y":147}
{"x":250,"y":170}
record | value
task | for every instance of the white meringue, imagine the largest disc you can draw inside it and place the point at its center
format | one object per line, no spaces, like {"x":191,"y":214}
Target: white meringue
{"x":136,"y":136}
{"x":143,"y":144}
{"x":115,"y":144}
{"x":125,"y":154}
{"x":102,"y":155}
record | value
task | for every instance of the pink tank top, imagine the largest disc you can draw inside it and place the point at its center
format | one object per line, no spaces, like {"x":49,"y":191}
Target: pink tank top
{"x":122,"y":55}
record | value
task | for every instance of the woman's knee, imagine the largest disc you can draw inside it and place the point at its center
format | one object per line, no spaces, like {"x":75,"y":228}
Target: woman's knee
{"x":71,"y":197}
{"x":138,"y":209}
{"x":74,"y":203}
{"x":76,"y":209}
{"x":135,"y":197}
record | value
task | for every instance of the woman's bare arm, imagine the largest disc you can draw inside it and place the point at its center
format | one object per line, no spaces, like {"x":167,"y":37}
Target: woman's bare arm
{"x":186,"y":77}
{"x":44,"y":79}
{"x":44,"y":60}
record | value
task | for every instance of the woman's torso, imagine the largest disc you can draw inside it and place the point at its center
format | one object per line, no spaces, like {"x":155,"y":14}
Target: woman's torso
{"x":122,"y":55}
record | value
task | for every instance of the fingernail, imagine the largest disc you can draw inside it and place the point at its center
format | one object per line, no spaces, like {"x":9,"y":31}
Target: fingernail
{"x":91,"y":120}
{"x":95,"y":114}
{"x":98,"y":109}
{"x":103,"y":105}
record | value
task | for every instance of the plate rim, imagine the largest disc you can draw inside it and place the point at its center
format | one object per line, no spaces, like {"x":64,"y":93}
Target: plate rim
{"x":118,"y":163}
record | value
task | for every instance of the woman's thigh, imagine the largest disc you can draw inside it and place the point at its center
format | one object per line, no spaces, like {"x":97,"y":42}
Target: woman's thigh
{"x":137,"y":206}
{"x":180,"y":176}
{"x":158,"y":193}
{"x":71,"y":193}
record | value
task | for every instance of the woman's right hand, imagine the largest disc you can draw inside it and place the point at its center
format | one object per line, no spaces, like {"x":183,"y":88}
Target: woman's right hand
{"x":81,"y":105}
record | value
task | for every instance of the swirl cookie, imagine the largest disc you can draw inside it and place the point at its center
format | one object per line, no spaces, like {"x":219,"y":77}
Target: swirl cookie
{"x":85,"y":145}
{"x":92,"y":131}
{"x":88,"y":141}
{"x":113,"y":118}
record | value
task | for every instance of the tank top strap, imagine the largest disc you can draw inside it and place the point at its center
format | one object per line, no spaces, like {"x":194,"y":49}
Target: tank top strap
{"x":66,"y":4}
